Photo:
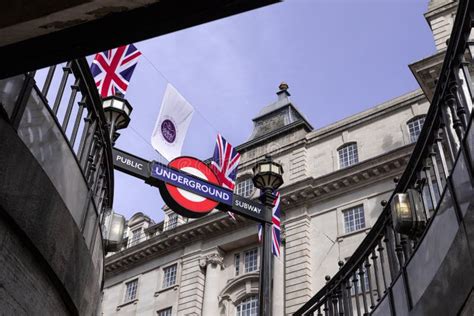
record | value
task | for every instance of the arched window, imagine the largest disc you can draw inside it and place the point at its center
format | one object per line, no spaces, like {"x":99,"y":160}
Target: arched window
{"x":245,"y":188}
{"x":248,"y":307}
{"x":414,"y":127}
{"x":348,"y":155}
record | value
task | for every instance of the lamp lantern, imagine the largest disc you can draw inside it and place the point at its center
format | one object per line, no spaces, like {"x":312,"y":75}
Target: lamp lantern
{"x":117,"y":112}
{"x":114,"y":228}
{"x":268,"y":175}
{"x":408,"y":213}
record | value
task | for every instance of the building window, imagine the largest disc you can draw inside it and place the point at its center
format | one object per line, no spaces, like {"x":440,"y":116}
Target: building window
{"x":237,"y":264}
{"x":169,"y":276}
{"x":250,"y":260}
{"x":136,"y":235}
{"x":165,"y":312}
{"x":172,"y":221}
{"x":131,"y":290}
{"x":348,"y":155}
{"x":414,"y":127}
{"x":245,"y":188}
{"x":354,"y":219}
{"x":248,"y":307}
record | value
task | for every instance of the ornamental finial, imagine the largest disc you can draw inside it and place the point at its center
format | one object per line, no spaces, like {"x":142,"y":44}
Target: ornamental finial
{"x":283,"y":86}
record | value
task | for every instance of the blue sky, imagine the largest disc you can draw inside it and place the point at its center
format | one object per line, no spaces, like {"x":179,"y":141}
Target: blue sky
{"x":338,"y":57}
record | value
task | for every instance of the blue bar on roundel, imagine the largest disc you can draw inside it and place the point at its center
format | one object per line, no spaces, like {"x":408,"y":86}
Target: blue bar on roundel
{"x":191,"y":183}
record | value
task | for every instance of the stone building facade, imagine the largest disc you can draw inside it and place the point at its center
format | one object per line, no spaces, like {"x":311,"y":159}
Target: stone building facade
{"x":335,"y":178}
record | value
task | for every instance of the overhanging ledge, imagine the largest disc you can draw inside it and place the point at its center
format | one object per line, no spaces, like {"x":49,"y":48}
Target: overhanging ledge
{"x":67,"y":40}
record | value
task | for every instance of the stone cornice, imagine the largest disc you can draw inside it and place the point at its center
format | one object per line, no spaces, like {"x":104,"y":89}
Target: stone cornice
{"x":440,"y":10}
{"x":171,"y":240}
{"x":366,"y":172}
{"x":426,"y":72}
{"x":366,"y":116}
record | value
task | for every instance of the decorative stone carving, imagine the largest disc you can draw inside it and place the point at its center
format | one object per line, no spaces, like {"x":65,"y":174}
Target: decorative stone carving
{"x":214,"y":259}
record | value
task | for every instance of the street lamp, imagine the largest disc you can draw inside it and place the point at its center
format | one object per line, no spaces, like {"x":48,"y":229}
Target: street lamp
{"x":407,"y":213}
{"x":117,"y":112}
{"x":268,"y":177}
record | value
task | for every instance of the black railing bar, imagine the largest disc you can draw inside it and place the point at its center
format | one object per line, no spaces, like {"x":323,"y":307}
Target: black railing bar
{"x":439,"y":144}
{"x":98,"y":183}
{"x":430,"y":186}
{"x":349,"y":297}
{"x":460,"y":96}
{"x":87,"y":122}
{"x":62,"y":86}
{"x":77,"y":121}
{"x":354,"y":281}
{"x":82,"y":68}
{"x":434,"y":162}
{"x":47,"y":82}
{"x":447,"y":137}
{"x":380,"y":249}
{"x":96,"y":173}
{"x":367,"y":266}
{"x":363,"y":289}
{"x":90,"y":151}
{"x":376,"y":272}
{"x":460,"y":101}
{"x":467,"y":77}
{"x":71,"y":102}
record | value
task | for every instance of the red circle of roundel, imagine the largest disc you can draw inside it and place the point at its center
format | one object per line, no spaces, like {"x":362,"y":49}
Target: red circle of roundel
{"x":189,"y":207}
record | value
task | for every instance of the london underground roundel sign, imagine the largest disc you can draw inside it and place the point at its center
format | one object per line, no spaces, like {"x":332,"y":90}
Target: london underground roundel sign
{"x":186,"y":202}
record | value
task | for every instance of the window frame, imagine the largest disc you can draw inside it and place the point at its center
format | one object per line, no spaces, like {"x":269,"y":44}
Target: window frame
{"x":340,"y":153}
{"x":247,"y":302}
{"x":164,"y":283}
{"x":413,"y":120}
{"x":168,"y":311}
{"x":245,"y":252}
{"x":172,"y":222}
{"x":126,"y":297}
{"x":134,"y":241}
{"x":237,"y":264}
{"x":243,"y":182}
{"x":355,"y":228}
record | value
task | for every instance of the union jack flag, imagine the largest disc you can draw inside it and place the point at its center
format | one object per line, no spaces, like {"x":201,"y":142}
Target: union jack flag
{"x":113,"y":69}
{"x":224,"y":162}
{"x":276,"y":228}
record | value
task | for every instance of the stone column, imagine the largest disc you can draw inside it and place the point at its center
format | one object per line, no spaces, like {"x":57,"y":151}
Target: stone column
{"x":213,"y":264}
{"x":191,"y":287}
{"x":297,"y":263}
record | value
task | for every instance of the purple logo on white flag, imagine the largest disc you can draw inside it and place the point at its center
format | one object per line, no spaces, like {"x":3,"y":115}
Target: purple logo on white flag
{"x":168,"y":130}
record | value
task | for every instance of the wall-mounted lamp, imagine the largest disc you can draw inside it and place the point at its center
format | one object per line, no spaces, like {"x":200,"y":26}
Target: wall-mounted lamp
{"x":114,"y":227}
{"x":407,"y":213}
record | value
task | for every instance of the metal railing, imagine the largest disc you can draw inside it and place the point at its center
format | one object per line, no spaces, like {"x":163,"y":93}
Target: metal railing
{"x":67,"y":133}
{"x":382,"y":257}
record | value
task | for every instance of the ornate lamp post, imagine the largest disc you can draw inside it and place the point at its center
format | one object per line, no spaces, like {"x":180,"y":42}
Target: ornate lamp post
{"x":117,"y":112}
{"x":268,"y":177}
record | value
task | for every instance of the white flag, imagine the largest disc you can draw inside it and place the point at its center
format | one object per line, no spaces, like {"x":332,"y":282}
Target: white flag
{"x":172,"y":124}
